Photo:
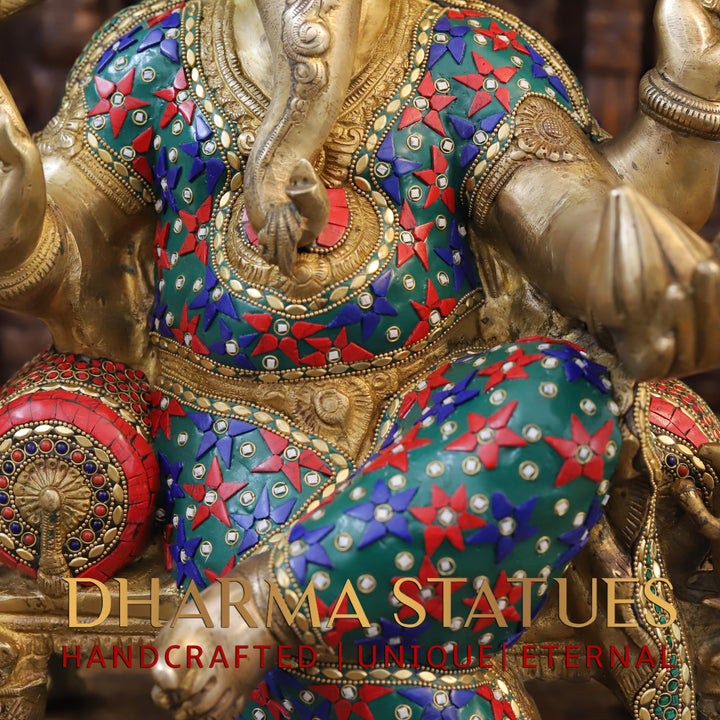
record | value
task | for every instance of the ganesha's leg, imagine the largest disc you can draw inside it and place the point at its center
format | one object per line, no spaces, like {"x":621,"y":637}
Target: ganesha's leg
{"x":232,"y":484}
{"x":491,"y":470}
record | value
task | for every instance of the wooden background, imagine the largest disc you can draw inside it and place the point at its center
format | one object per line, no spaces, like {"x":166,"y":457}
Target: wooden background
{"x":607,"y":42}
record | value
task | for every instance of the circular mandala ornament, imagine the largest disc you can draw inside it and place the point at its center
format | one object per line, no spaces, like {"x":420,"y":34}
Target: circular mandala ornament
{"x":79,"y":476}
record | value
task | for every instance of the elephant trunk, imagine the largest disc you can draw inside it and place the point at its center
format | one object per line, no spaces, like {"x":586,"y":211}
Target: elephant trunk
{"x":313,"y":43}
{"x":690,"y":498}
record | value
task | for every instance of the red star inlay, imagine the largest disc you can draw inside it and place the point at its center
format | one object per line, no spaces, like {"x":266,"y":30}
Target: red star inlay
{"x":229,"y":565}
{"x":396,"y":455}
{"x":178,"y":100}
{"x":141,"y":144}
{"x":262,"y":696}
{"x":430,"y":314}
{"x":438,"y":182}
{"x":212,"y":496}
{"x":488,"y":435}
{"x":446,"y":519}
{"x":505,"y":591}
{"x":510,"y":369}
{"x":343,"y":707}
{"x":192,"y":224}
{"x":502,"y":39}
{"x":478,"y":83}
{"x":289,"y":460}
{"x":164,"y":409}
{"x":435,"y":380}
{"x":427,"y":595}
{"x":500,"y":708}
{"x":420,"y":233}
{"x":583,"y":454}
{"x":116,"y":100}
{"x":435,"y":102}
{"x":186,"y":334}
{"x":350,"y":351}
{"x":162,"y":234}
{"x":301,"y":330}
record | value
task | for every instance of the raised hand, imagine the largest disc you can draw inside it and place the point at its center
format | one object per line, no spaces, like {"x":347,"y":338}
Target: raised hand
{"x":688,"y":33}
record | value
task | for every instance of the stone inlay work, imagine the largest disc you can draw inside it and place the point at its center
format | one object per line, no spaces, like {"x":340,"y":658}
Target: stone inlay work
{"x":78,"y":476}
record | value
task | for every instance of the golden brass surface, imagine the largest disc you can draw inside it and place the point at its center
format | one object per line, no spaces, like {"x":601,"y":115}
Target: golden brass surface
{"x":608,"y":249}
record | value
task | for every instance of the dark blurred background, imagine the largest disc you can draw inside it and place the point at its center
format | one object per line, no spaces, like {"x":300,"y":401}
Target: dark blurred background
{"x":608,"y":43}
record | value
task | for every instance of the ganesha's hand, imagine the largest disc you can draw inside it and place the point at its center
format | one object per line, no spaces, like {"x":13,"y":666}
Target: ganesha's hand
{"x":655,"y":289}
{"x":22,"y":190}
{"x":10,"y":7}
{"x":688,"y":34}
{"x":218,"y":692}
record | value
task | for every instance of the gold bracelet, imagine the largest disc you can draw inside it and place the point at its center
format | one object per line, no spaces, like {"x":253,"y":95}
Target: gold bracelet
{"x":41,"y":260}
{"x":678,"y":109}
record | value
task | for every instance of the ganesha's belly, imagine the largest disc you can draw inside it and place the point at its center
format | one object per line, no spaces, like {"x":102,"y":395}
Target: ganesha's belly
{"x":370,"y":295}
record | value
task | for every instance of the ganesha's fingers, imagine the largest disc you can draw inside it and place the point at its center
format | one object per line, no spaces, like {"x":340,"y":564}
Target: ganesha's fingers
{"x":706,"y":298}
{"x":690,"y":498}
{"x":680,"y":309}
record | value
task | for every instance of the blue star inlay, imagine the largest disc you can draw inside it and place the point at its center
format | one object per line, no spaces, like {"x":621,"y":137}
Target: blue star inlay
{"x":262,"y":511}
{"x":383,"y":513}
{"x":182,"y":553}
{"x":218,"y":433}
{"x":577,"y":364}
{"x":513,"y":526}
{"x":305,"y":547}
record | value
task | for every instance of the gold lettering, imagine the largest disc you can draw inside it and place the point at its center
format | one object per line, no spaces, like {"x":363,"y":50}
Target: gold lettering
{"x":407,"y":601}
{"x":105,"y":602}
{"x":527,"y":584}
{"x":153,"y":602}
{"x":484,"y":592}
{"x":348,"y":592}
{"x":657,"y":599}
{"x":613,"y":601}
{"x":192,"y":593}
{"x":226,"y":603}
{"x":563,"y":604}
{"x":446,"y":596}
{"x":275,"y":597}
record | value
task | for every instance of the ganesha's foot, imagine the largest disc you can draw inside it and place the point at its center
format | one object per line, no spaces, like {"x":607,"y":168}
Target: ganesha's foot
{"x":219,"y":685}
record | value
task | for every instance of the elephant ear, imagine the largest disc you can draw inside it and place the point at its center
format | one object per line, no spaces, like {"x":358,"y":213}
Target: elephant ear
{"x":313,"y":43}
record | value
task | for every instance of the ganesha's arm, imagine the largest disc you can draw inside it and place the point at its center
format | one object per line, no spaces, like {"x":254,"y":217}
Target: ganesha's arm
{"x":27,"y":243}
{"x":676,"y":171}
{"x":600,"y":251}
{"x":66,"y":248}
{"x":670,"y":153}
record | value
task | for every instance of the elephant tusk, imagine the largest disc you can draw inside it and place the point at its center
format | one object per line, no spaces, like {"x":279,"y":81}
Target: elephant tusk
{"x":690,"y":498}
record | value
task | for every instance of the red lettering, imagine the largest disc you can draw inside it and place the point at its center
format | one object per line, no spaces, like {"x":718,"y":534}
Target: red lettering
{"x":74,"y":656}
{"x":96,"y":657}
{"x":527,"y":657}
{"x":153,"y":653}
{"x":194,"y":652}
